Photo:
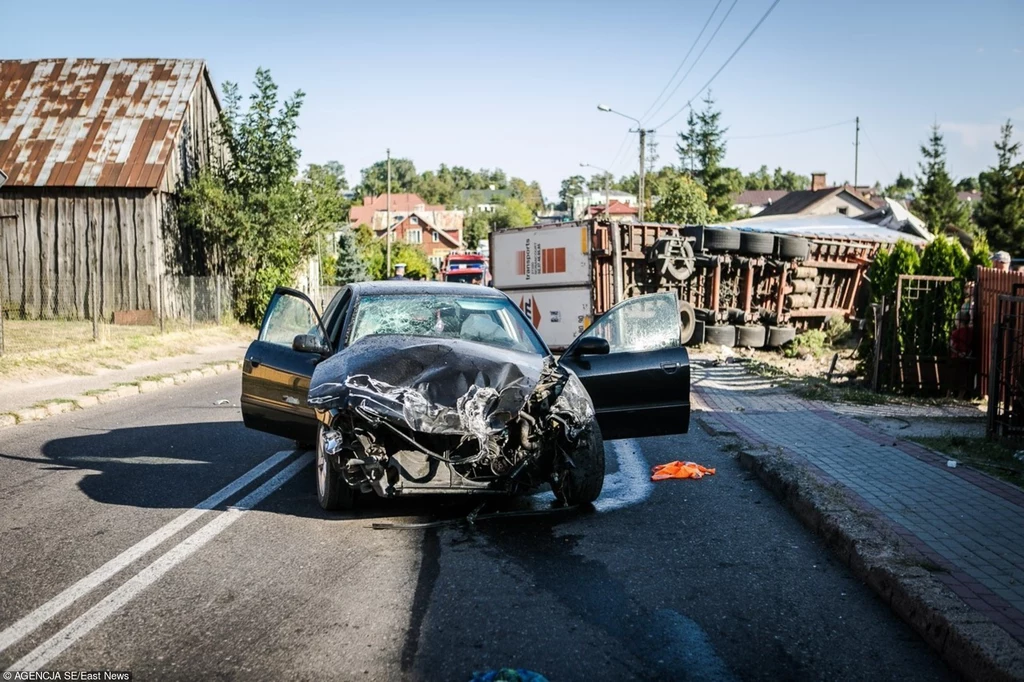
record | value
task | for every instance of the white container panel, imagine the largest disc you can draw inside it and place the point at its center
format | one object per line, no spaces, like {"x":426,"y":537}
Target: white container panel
{"x":560,"y":315}
{"x":552,"y":255}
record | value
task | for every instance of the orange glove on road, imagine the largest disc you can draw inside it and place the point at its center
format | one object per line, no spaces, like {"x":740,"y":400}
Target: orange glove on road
{"x":679,"y":470}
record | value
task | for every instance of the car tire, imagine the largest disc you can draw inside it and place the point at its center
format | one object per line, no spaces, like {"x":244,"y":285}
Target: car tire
{"x":792,"y":248}
{"x":720,"y":335}
{"x":780,"y":336}
{"x":332,"y":492}
{"x":582,"y":484}
{"x":757,"y":244}
{"x":687,"y":322}
{"x":750,"y":336}
{"x":721,"y":239}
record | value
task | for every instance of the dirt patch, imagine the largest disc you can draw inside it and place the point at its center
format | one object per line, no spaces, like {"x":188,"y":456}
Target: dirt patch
{"x":993,"y":457}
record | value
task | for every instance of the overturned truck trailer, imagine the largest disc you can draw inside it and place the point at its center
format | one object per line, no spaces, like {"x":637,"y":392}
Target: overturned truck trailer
{"x":736,"y":287}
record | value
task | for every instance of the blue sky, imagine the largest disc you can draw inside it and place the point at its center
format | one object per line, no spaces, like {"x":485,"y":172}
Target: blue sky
{"x":516,"y":84}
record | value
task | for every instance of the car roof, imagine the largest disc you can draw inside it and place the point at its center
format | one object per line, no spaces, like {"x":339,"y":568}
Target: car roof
{"x":412,"y":286}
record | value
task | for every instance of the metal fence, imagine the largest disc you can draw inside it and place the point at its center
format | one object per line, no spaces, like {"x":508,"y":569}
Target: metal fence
{"x":53,"y":320}
{"x":1006,"y":370}
{"x":917,"y":347}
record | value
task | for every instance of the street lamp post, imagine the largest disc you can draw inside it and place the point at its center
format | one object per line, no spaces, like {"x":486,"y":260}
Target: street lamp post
{"x":613,"y":234}
{"x":643,"y":144}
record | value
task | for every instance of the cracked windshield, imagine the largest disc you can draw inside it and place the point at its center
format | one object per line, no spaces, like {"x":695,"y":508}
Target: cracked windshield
{"x":523,"y":341}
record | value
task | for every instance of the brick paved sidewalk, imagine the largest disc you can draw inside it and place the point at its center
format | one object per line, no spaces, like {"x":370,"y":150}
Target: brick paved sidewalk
{"x":968,"y":523}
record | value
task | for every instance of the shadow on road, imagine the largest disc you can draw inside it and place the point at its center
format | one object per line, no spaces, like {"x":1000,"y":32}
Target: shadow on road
{"x":180,"y":465}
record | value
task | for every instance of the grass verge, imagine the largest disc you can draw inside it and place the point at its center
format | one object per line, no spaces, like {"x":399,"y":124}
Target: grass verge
{"x":135,"y":344}
{"x":992,"y":457}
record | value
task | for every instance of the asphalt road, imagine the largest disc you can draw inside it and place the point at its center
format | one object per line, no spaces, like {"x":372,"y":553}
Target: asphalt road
{"x":137,"y":536}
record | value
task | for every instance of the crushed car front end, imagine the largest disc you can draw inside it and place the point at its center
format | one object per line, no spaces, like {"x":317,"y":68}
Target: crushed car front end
{"x":404,"y":415}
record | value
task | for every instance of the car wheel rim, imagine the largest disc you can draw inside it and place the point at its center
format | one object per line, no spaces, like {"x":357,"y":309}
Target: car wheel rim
{"x":321,"y":468}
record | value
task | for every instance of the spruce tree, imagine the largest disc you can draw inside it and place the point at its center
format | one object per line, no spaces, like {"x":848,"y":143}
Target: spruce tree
{"x":936,"y":202}
{"x":350,"y":265}
{"x":702,"y":148}
{"x":1001,"y":210}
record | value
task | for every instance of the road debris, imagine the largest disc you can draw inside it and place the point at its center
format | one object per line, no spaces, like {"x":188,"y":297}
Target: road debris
{"x":679,"y":470}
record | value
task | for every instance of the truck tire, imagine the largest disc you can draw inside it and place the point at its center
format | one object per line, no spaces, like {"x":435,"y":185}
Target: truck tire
{"x":805,"y":273}
{"x":582,"y":484}
{"x":792,"y":248}
{"x":687,"y":322}
{"x":698,"y":333}
{"x":803,"y":286}
{"x":794,"y":301}
{"x":721,"y":239}
{"x":750,"y":336}
{"x":757,"y":243}
{"x":780,"y":336}
{"x":720,"y":335}
{"x":331,"y":490}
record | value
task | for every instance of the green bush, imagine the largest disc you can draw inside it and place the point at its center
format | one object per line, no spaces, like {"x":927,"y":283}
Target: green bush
{"x":811,"y":342}
{"x":837,"y":330}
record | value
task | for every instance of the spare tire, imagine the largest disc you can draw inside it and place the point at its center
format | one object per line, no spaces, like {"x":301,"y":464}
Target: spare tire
{"x":721,"y":239}
{"x":687,"y":321}
{"x":750,"y":336}
{"x":720,"y":335}
{"x":757,"y":243}
{"x":792,"y":248}
{"x":780,"y":336}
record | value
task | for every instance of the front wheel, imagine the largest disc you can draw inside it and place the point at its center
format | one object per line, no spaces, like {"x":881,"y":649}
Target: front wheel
{"x":332,"y":492}
{"x":582,"y":484}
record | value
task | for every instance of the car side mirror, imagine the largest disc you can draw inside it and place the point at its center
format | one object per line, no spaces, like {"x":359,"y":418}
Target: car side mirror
{"x":592,"y":345}
{"x":310,"y":343}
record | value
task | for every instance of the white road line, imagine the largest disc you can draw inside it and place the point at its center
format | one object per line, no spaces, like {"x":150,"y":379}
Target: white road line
{"x":631,"y":484}
{"x":36,"y":618}
{"x":110,"y":604}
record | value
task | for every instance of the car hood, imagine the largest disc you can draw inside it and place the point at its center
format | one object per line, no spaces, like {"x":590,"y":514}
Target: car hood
{"x":429,"y":385}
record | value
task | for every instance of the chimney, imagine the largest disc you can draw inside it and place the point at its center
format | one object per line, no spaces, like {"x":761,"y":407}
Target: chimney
{"x":817,"y":181}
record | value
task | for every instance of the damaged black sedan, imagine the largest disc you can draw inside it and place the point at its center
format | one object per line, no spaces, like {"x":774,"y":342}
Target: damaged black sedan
{"x":412,"y":387}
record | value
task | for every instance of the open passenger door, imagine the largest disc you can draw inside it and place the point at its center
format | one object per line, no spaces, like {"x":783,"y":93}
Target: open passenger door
{"x":635,"y":369}
{"x":278,"y":366}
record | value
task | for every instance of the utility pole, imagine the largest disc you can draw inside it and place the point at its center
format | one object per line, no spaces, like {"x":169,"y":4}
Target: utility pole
{"x":643,"y":170}
{"x":856,"y":151}
{"x":387,"y":228}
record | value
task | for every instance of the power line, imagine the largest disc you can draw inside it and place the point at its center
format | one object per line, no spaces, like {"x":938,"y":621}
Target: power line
{"x":678,"y":68}
{"x":695,"y":61}
{"x":622,"y":145}
{"x":878,"y":156}
{"x":722,"y":68}
{"x":792,"y":132}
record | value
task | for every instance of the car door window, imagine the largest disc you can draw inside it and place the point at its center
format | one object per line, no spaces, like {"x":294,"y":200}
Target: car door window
{"x":639,"y":324}
{"x":288,"y":316}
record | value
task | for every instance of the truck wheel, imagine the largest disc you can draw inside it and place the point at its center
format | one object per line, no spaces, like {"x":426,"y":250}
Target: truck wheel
{"x":582,"y":484}
{"x":687,"y":321}
{"x":331,"y":490}
{"x":757,"y":243}
{"x":780,"y":336}
{"x":792,"y":248}
{"x":721,"y":239}
{"x":720,"y":335}
{"x":750,"y":336}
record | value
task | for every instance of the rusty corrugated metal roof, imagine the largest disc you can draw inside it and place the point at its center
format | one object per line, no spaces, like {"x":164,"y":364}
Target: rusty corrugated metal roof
{"x":92,"y":122}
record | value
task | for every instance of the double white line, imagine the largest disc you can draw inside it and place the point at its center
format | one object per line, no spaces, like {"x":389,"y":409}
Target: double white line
{"x":85,"y":623}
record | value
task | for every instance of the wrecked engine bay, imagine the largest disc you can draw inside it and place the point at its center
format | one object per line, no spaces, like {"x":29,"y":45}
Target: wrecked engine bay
{"x":407,"y":414}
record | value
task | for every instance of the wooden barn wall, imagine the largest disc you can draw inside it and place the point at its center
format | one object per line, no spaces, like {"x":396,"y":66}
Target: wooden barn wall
{"x":57,"y":244}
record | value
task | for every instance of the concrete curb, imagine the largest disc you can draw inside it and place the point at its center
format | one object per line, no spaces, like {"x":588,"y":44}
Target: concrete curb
{"x":48,"y":408}
{"x":970,"y":643}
